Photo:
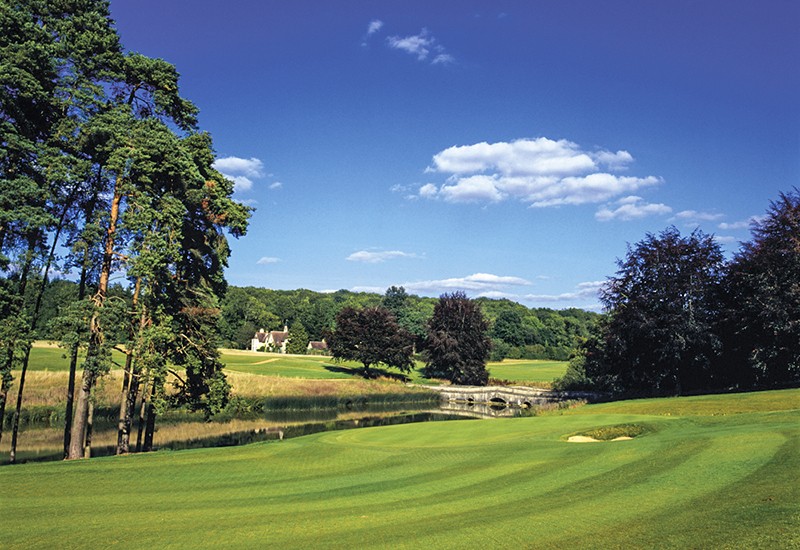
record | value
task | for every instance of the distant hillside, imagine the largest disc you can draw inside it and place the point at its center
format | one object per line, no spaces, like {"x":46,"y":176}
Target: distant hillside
{"x":518,"y":332}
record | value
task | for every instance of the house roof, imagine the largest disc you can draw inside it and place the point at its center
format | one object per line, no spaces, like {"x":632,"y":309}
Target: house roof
{"x":317,"y":345}
{"x":278,"y":336}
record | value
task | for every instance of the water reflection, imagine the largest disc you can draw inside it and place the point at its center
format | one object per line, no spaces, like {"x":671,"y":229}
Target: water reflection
{"x":483,"y":410}
{"x":43,"y":441}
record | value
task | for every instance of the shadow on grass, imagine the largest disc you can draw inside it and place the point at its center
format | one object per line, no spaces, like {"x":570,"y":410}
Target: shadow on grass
{"x":369,"y":374}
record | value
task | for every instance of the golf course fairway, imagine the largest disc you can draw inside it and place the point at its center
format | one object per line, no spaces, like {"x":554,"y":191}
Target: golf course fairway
{"x":703,"y":472}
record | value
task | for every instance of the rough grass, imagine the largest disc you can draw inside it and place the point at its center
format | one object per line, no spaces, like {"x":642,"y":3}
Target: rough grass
{"x":696,"y":480}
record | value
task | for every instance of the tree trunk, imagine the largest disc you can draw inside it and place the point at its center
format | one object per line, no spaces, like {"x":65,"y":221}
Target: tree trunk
{"x":87,"y":445}
{"x":6,"y":383}
{"x":150,"y":428}
{"x":122,"y":429}
{"x":142,"y":413}
{"x":88,"y":212}
{"x":3,"y":399}
{"x":12,"y":457}
{"x":73,"y":369}
{"x":81,"y":420}
{"x":130,"y":385}
{"x":5,"y":386}
{"x":34,"y":321}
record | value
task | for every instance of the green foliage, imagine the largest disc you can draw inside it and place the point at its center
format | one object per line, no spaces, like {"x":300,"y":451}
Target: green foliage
{"x":508,"y":327}
{"x":760,"y":322}
{"x":371,"y":336}
{"x":574,"y":379}
{"x":548,"y":334}
{"x":658,"y":337}
{"x":298,"y":340}
{"x":99,"y":151}
{"x":458,"y":346}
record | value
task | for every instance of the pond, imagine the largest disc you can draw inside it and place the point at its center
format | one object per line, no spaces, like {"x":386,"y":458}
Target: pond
{"x":43,"y":440}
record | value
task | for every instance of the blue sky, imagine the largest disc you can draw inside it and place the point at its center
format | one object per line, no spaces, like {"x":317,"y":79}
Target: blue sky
{"x":505,"y":148}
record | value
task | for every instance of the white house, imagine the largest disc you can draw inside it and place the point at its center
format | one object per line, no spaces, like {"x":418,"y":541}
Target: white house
{"x":274,"y":340}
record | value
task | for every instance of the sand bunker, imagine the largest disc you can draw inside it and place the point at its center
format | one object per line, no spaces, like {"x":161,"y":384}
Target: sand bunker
{"x":587,"y":439}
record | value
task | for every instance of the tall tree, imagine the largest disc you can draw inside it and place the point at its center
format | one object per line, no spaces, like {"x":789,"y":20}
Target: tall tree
{"x":458,"y":343}
{"x":298,"y":339}
{"x":761,"y":318}
{"x":49,"y":52}
{"x":371,"y":336}
{"x":658,"y":338}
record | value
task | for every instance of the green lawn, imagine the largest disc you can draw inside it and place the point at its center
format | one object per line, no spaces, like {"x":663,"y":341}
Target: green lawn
{"x":527,"y":370}
{"x":521,"y":370}
{"x":46,"y":357}
{"x":708,"y":472}
{"x":302,"y":366}
{"x":271,"y":364}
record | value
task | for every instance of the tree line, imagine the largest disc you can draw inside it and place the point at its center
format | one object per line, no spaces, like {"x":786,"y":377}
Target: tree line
{"x":682,"y":319}
{"x":104,"y":173}
{"x":517,"y":332}
{"x":455,"y":347}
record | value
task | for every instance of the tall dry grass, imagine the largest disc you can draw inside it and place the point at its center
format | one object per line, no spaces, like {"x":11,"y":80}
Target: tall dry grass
{"x":48,"y":388}
{"x":256,"y":385}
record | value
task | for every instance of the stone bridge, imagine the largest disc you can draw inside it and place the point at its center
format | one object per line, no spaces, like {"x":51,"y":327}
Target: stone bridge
{"x":518,"y":396}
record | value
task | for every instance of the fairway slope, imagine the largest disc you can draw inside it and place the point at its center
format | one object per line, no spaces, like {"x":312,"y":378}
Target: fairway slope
{"x":690,"y":480}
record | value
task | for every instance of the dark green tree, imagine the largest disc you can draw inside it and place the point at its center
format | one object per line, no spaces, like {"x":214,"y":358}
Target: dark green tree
{"x":52,"y":58}
{"x":458,"y":343}
{"x":298,"y":339}
{"x":761,"y":318}
{"x":372,"y":337}
{"x":658,"y":338}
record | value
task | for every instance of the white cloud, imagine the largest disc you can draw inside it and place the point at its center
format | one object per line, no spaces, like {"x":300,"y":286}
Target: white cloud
{"x":240,"y":183}
{"x":498,"y":295}
{"x":421,"y":45}
{"x":378,"y":257}
{"x":743,"y":224}
{"x":583,"y":290}
{"x":443,"y":59}
{"x":476,"y":283}
{"x":374,"y":26}
{"x":472,"y":189}
{"x":541,"y":172}
{"x":266,"y":260}
{"x":696,"y":216}
{"x":614,"y":161}
{"x":275,"y":185}
{"x":240,"y":170}
{"x":251,"y":167}
{"x":725,"y":239}
{"x":631,"y":208}
{"x":428,"y":191}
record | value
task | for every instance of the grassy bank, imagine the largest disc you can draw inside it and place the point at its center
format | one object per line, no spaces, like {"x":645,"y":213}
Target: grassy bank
{"x":716,"y":471}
